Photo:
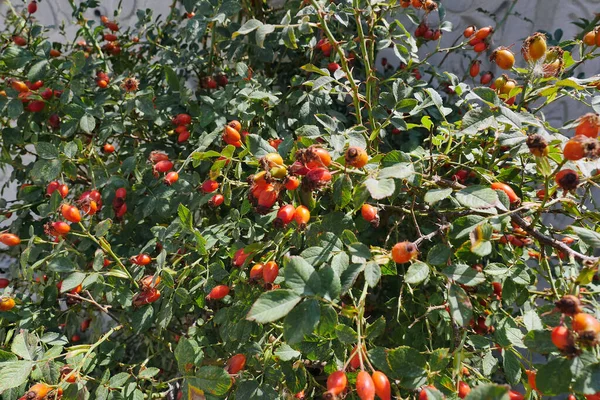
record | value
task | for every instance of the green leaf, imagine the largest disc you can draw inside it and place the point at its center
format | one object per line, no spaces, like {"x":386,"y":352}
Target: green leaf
{"x":398,"y":171}
{"x":406,"y":362}
{"x":439,"y":359}
{"x":171,"y":77}
{"x":261,"y":34}
{"x":316,"y":70}
{"x":331,"y":285}
{"x":477,"y":197}
{"x":38,"y":70}
{"x":512,"y":367}
{"x":554,"y":377}
{"x":301,"y":277}
{"x":87,"y":123}
{"x":188,"y":352}
{"x":259,"y":147}
{"x":273,"y":305}
{"x":14,"y":373}
{"x":463,"y":226}
{"x":587,"y":382}
{"x":376,"y":329}
{"x":301,"y":321}
{"x":320,"y":82}
{"x":25,"y":345}
{"x":439,"y":254}
{"x":416,"y":273}
{"x":588,"y":236}
{"x":372,"y":273}
{"x":72,"y":281}
{"x":286,"y":353}
{"x":185,"y":216}
{"x":380,"y":189}
{"x":16,"y":57}
{"x":342,"y":191}
{"x":477,"y":120}
{"x":248,"y":27}
{"x":46,"y":170}
{"x":488,"y":392}
{"x":103,"y":227}
{"x":46,"y":150}
{"x":464,"y":274}
{"x":539,"y":341}
{"x":61,"y":264}
{"x":436,"y":195}
{"x":461,"y":308}
{"x":213,"y":380}
{"x":148,"y":373}
{"x":345,"y":334}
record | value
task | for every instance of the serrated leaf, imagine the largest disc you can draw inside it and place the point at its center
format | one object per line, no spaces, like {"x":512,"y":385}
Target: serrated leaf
{"x":380,"y":189}
{"x":488,"y":392}
{"x":477,"y":197}
{"x":212,"y":379}
{"x":301,"y":321}
{"x":416,"y":273}
{"x":461,"y":308}
{"x":512,"y":367}
{"x":72,"y":281}
{"x":273,"y":305}
{"x":286,"y":353}
{"x":248,"y":27}
{"x":87,"y":123}
{"x":397,"y":171}
{"x":46,"y":150}
{"x":372,"y":273}
{"x":14,"y":373}
{"x":464,"y":274}
{"x":435,"y":195}
{"x":589,"y":237}
{"x":301,"y":277}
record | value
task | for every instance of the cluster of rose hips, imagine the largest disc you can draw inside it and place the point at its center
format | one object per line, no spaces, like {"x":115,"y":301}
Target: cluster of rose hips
{"x":585,"y":328}
{"x":425,"y":32}
{"x":149,"y":293}
{"x":33,"y":95}
{"x":102,"y":79}
{"x":182,"y":121}
{"x":112,"y":46}
{"x":119,"y":205}
{"x":210,"y":186}
{"x":585,"y":142}
{"x":232,"y":135}
{"x":367,"y":385}
{"x":478,"y":38}
{"x":427,"y":5}
{"x":162,"y":165}
{"x":213,"y":82}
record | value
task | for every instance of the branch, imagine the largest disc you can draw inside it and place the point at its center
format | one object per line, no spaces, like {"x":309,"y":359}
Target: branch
{"x":90,"y":300}
{"x":432,"y":234}
{"x":547,"y":240}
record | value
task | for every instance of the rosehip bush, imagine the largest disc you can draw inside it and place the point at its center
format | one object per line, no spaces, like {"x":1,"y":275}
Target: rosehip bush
{"x":236,"y":202}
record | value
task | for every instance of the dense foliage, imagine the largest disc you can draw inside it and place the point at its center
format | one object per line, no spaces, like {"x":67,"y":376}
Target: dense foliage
{"x":354,"y":226}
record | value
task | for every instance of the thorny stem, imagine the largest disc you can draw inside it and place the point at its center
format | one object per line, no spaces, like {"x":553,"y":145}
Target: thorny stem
{"x":547,"y":240}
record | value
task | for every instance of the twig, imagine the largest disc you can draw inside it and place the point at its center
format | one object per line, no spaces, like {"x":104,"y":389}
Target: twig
{"x":547,"y":240}
{"x":90,"y":300}
{"x":432,"y":234}
{"x":429,"y":309}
